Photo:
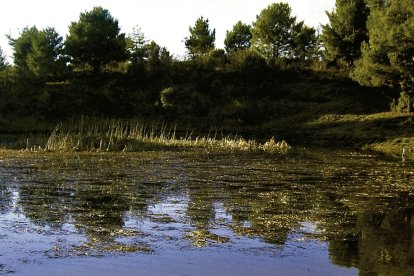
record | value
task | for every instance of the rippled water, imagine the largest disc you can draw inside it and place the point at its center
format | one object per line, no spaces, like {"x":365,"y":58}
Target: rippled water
{"x":306,"y":212}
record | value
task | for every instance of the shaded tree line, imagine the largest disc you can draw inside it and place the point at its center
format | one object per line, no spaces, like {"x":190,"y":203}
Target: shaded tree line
{"x":99,"y":71}
{"x":373,"y":40}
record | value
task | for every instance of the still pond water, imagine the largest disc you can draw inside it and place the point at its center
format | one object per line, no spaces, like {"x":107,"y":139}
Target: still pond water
{"x":308,"y":212}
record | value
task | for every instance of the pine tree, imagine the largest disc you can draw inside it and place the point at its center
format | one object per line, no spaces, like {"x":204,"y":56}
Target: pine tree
{"x":38,"y":52}
{"x":3,"y":61}
{"x":343,"y":36}
{"x":277,"y":34}
{"x":238,"y":38}
{"x":95,"y":40}
{"x":273,"y":31}
{"x":201,"y":39}
{"x":388,"y":58}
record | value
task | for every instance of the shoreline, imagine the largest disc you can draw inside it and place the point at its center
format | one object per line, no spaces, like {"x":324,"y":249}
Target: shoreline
{"x":387,"y":133}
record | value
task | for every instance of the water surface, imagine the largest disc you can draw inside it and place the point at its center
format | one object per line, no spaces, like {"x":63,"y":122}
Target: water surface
{"x":306,"y":212}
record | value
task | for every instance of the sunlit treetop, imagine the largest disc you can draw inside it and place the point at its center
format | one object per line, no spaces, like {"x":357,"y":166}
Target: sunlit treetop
{"x":95,"y":40}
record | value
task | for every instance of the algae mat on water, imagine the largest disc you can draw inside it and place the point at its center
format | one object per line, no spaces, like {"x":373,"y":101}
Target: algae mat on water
{"x":307,"y":212}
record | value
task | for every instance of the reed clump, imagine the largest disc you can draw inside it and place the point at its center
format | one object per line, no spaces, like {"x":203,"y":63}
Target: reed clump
{"x":136,"y":135}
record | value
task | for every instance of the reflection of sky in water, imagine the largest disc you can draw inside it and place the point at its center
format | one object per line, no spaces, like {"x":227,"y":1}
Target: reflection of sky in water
{"x":315,"y":206}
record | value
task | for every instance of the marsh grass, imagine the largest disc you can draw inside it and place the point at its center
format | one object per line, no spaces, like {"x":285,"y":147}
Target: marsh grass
{"x":136,"y":135}
{"x":29,"y":141}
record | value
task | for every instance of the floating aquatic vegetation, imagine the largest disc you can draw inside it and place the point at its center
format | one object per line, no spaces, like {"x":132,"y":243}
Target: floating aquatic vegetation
{"x":202,"y":238}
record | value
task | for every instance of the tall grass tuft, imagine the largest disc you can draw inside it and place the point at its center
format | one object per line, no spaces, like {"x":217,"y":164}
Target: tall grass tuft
{"x":136,"y":135}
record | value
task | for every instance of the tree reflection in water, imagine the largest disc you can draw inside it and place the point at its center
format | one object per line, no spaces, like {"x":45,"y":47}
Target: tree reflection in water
{"x":363,"y":207}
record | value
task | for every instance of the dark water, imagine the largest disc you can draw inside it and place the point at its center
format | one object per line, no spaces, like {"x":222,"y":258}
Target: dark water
{"x":307,"y":212}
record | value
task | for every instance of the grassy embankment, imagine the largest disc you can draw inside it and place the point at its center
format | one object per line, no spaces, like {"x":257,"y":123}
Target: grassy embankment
{"x":316,"y":110}
{"x":336,"y":114}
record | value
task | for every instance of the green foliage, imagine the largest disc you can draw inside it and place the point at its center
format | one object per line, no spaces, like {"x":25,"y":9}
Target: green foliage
{"x":305,"y":44}
{"x":167,"y":97}
{"x":402,"y":104}
{"x":201,"y":39}
{"x":217,"y":59}
{"x":238,"y":38}
{"x":241,"y":90}
{"x":388,"y":58}
{"x":22,"y":46}
{"x":95,"y":40}
{"x":147,"y":58}
{"x":237,"y":60}
{"x":157,"y":58}
{"x":45,"y":57}
{"x":3,"y":61}
{"x":343,"y":36}
{"x":135,"y":45}
{"x":253,"y":64}
{"x":272,"y":31}
{"x":277,"y":34}
{"x":38,"y":53}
